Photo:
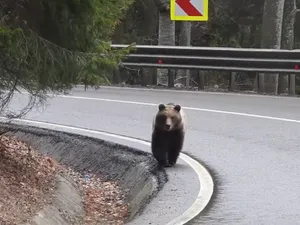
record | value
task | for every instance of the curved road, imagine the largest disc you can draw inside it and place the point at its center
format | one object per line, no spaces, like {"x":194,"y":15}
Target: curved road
{"x":256,"y":159}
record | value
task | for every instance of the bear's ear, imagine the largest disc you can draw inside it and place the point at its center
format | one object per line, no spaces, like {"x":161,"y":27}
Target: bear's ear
{"x":177,"y":108}
{"x":161,"y":107}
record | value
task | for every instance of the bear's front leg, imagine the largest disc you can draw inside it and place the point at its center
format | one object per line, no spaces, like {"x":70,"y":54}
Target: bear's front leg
{"x":173,"y":156}
{"x":158,"y":148}
{"x":161,"y":156}
{"x":175,"y":147}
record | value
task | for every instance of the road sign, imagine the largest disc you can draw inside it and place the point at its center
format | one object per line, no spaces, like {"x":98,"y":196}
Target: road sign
{"x":189,"y":10}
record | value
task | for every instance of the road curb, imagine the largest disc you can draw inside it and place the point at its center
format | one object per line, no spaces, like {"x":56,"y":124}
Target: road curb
{"x":136,"y":171}
{"x":205,"y":190}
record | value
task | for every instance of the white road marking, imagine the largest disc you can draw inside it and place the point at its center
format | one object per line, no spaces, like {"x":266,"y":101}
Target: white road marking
{"x":185,"y":107}
{"x":193,"y":92}
{"x":206,"y":184}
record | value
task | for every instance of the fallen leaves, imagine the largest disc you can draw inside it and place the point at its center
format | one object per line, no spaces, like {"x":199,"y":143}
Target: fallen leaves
{"x":103,"y":201}
{"x":27,"y":181}
{"x":27,"y":184}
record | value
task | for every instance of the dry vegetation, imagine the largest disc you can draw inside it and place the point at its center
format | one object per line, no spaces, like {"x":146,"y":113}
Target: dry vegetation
{"x":103,"y":201}
{"x":27,"y":181}
{"x":27,"y":184}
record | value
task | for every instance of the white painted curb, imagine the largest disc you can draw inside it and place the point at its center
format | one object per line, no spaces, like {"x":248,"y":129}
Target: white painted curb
{"x":205,"y":190}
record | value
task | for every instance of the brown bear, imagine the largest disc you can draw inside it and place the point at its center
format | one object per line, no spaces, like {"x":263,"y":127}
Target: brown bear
{"x":168,"y":132}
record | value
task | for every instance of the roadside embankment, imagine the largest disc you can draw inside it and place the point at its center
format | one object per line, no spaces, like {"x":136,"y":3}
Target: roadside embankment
{"x":88,"y":161}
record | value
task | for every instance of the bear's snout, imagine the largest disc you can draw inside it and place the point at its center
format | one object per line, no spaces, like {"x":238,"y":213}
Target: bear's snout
{"x":167,"y":126}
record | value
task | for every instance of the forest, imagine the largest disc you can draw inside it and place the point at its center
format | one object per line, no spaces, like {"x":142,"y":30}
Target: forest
{"x":232,"y":23}
{"x":50,"y":45}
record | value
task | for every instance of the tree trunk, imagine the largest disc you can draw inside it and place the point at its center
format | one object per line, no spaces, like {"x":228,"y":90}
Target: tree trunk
{"x":252,"y":42}
{"x":166,"y":36}
{"x":148,"y":28}
{"x":183,"y":76}
{"x":287,"y":42}
{"x":271,"y":36}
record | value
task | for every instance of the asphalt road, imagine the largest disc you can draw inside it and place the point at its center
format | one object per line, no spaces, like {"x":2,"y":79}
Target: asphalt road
{"x":256,"y":160}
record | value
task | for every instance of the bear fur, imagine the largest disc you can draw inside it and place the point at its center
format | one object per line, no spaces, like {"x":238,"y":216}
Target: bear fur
{"x":168,"y":133}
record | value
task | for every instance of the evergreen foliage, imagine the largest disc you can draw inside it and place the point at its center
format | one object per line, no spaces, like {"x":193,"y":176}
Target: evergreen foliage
{"x":49,"y":45}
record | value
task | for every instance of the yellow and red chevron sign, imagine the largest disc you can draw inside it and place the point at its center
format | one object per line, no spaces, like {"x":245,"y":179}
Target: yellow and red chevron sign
{"x":189,"y":10}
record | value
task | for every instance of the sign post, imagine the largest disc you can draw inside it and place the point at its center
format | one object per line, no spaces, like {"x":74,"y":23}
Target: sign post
{"x":189,"y":10}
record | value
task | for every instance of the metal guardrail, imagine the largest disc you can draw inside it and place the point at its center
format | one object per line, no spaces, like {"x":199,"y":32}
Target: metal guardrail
{"x":213,"y":58}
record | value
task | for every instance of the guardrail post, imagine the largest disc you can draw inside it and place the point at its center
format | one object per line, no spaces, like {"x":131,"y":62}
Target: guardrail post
{"x":261,"y":83}
{"x":292,"y":85}
{"x":171,"y":77}
{"x":232,"y":84}
{"x":147,"y":77}
{"x":267,"y":62}
{"x":188,"y":79}
{"x":201,"y":79}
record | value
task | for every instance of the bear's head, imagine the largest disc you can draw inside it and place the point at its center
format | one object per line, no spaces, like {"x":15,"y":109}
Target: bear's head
{"x":168,"y":117}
